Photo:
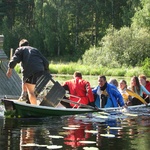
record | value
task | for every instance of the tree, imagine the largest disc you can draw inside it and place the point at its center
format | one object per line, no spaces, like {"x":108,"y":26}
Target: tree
{"x":124,"y":47}
{"x":61,"y":27}
{"x":141,"y":18}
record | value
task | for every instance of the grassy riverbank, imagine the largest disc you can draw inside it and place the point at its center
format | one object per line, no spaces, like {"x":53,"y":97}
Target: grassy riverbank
{"x":69,"y":68}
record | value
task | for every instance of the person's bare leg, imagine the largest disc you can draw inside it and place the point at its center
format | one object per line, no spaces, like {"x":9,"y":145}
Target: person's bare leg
{"x":23,"y":93}
{"x":30,"y":89}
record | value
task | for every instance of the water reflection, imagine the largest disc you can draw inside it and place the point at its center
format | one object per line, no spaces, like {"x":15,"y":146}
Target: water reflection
{"x":99,"y":130}
{"x":77,"y":134}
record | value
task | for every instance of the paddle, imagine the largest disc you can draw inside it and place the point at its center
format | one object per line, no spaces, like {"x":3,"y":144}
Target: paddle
{"x":76,"y":103}
{"x":131,"y":93}
{"x":88,"y":106}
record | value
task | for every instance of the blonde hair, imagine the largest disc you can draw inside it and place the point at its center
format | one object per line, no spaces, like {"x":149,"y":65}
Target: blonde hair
{"x":142,"y":76}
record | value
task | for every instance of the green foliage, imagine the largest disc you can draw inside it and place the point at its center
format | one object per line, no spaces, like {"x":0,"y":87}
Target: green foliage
{"x":124,"y":47}
{"x":136,"y":71}
{"x":141,"y":17}
{"x":146,"y":66}
{"x":60,"y":28}
{"x":18,"y":68}
{"x":70,"y":29}
{"x":10,"y":114}
{"x":129,"y":11}
{"x":70,"y":68}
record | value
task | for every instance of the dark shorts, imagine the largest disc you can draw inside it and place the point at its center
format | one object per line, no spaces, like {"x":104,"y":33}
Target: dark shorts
{"x":33,"y":79}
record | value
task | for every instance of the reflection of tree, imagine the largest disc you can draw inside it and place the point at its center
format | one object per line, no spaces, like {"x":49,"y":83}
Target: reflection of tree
{"x":27,"y":136}
{"x":136,"y":133}
{"x":143,"y":133}
{"x":18,"y":132}
{"x":31,"y":137}
{"x":76,"y":135}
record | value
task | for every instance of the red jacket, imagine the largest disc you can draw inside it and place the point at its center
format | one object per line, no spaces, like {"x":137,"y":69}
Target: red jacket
{"x":147,"y":85}
{"x":80,"y":88}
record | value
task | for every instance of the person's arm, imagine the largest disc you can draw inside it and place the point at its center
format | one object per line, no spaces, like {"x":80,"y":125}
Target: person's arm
{"x":145,"y":90}
{"x":9,"y":72}
{"x":17,"y":58}
{"x":89,"y":92}
{"x":12,"y":63}
{"x":118,"y":96}
{"x":94,"y":90}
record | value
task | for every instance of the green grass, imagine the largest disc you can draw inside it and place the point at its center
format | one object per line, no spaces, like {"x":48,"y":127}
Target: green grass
{"x":70,"y":68}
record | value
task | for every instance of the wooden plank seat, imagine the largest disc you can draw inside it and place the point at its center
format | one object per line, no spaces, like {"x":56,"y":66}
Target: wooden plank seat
{"x":42,"y":82}
{"x":54,"y":96}
{"x":55,"y":93}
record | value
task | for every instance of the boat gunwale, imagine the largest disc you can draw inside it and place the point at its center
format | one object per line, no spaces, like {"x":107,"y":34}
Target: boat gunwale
{"x":52,"y":108}
{"x":23,"y":104}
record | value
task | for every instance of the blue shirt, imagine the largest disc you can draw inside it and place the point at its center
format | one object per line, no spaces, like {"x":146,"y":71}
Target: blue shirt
{"x":114,"y":99}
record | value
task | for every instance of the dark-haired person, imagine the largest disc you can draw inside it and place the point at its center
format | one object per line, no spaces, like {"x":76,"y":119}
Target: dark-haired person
{"x":79,"y":89}
{"x":33,"y":64}
{"x":143,"y":81}
{"x":107,"y":95}
{"x":139,"y":89}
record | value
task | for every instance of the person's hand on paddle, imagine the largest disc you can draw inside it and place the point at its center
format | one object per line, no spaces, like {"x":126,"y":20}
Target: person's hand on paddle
{"x":9,"y":72}
{"x":124,"y":108}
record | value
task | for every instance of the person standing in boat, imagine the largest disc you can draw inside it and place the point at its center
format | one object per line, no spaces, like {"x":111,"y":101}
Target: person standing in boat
{"x":143,"y":81}
{"x":107,"y":95}
{"x":138,"y":89}
{"x":79,"y":90}
{"x":33,"y":64}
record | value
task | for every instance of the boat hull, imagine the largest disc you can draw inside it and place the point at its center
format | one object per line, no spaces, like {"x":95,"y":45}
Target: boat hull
{"x":27,"y":110}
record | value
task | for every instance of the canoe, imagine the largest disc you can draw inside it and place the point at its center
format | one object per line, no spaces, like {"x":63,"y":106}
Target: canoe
{"x":25,"y":110}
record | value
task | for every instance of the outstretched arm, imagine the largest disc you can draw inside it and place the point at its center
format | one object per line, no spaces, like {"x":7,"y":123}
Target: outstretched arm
{"x":9,"y":72}
{"x":89,"y":92}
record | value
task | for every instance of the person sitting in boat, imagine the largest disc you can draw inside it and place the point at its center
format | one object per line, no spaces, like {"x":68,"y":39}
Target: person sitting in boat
{"x":33,"y":65}
{"x":122,"y":89}
{"x":143,"y":81}
{"x":107,"y":95}
{"x":114,"y":82}
{"x":79,"y":90}
{"x":138,"y":89}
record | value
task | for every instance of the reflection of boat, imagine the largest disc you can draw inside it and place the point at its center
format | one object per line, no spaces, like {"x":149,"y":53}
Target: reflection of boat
{"x":23,"y":109}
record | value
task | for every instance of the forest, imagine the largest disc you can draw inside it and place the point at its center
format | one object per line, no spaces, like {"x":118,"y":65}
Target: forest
{"x":111,"y":33}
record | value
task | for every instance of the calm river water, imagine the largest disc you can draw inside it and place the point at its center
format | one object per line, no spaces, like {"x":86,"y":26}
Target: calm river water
{"x":116,"y":130}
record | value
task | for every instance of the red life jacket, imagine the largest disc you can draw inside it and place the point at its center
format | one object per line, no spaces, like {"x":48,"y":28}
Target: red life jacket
{"x":147,"y":85}
{"x":80,"y":88}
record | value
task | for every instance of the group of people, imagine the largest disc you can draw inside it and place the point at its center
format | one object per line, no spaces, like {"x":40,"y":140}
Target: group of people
{"x":106,"y":94}
{"x":139,"y":85}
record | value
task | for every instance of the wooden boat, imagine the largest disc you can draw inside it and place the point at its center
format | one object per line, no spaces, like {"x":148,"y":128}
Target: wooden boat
{"x":24,"y":110}
{"x":48,"y":106}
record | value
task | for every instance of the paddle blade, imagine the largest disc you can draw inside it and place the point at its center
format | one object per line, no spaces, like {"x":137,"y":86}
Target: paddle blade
{"x":131,"y":93}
